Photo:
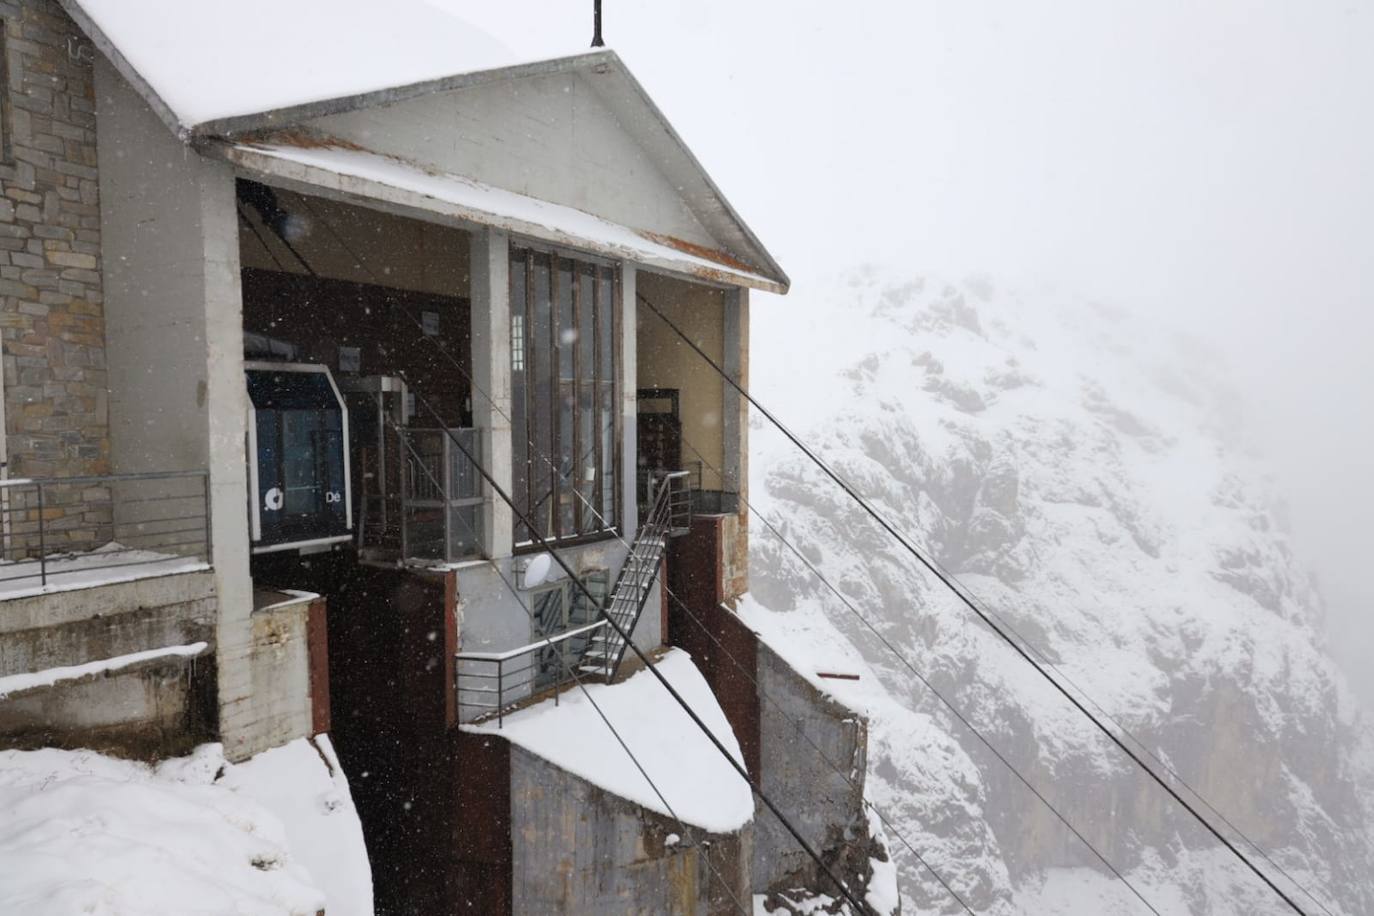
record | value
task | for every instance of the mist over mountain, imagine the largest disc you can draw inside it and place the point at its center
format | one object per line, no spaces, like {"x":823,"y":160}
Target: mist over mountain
{"x":1081,"y":473}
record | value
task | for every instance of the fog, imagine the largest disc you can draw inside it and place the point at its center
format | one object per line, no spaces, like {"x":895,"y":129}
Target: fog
{"x":1209,"y":165}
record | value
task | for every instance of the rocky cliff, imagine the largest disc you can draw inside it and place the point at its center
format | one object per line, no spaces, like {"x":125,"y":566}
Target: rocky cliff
{"x":1084,"y":476}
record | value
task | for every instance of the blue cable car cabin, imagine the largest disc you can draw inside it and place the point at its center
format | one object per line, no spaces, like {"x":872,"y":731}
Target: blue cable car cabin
{"x":299,"y":464}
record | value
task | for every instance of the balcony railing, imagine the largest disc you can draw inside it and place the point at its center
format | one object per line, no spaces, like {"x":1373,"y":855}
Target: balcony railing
{"x":441,"y":494}
{"x":65,"y":531}
{"x":490,"y":683}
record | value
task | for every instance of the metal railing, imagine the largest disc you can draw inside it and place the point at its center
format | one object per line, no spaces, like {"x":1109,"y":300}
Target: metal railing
{"x":72,"y":529}
{"x":441,"y":494}
{"x":490,"y":683}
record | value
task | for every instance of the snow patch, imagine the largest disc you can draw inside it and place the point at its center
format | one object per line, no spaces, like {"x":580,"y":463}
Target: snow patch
{"x":701,"y":787}
{"x":216,"y":60}
{"x":192,"y":836}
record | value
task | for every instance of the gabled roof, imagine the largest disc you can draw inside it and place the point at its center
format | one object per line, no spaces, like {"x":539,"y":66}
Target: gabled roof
{"x":217,"y":69}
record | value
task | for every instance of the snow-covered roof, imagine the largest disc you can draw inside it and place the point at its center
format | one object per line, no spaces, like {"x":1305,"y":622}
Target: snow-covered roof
{"x":373,"y":176}
{"x":208,"y":61}
{"x":226,"y":69}
{"x":701,"y":787}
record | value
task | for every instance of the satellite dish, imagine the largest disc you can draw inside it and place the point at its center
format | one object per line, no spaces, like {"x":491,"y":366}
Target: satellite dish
{"x":537,"y":570}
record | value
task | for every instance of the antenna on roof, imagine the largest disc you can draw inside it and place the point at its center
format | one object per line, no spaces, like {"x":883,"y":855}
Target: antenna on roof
{"x":596,"y":25}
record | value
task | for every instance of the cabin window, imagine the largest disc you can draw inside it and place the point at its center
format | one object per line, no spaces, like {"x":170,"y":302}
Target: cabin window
{"x":563,"y":380}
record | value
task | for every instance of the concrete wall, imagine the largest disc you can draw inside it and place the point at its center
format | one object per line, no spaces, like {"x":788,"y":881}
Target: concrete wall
{"x":177,"y":395}
{"x":577,"y":849}
{"x":51,"y":297}
{"x":390,"y":250}
{"x":158,"y":707}
{"x":550,"y":137}
{"x":82,"y":625}
{"x":278,"y":663}
{"x":799,"y":730}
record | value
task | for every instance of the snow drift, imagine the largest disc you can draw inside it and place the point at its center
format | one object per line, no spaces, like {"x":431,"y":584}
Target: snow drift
{"x":276,"y":835}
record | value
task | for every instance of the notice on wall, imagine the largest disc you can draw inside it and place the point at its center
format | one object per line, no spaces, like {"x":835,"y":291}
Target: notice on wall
{"x":350,"y":359}
{"x":429,"y":321}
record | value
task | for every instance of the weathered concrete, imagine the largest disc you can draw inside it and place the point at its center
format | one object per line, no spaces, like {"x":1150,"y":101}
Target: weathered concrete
{"x":279,"y":666}
{"x":83,"y":625}
{"x":150,"y":709}
{"x":578,"y":849}
{"x":800,"y":730}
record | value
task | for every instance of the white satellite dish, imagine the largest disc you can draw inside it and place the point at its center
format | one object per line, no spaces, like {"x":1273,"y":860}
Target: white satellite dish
{"x":537,"y":570}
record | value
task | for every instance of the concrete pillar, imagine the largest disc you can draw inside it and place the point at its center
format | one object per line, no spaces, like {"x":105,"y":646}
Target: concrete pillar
{"x":629,"y":401}
{"x":735,"y":410}
{"x":174,"y":325}
{"x":491,"y":343}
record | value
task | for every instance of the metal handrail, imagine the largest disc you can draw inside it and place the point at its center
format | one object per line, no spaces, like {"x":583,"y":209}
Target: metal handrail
{"x":522,"y":688}
{"x":51,"y":519}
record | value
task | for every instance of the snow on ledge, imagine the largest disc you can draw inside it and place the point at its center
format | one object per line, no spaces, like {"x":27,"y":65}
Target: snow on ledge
{"x":702,"y":788}
{"x":105,"y":565}
{"x":30,"y":680}
{"x":275,"y":836}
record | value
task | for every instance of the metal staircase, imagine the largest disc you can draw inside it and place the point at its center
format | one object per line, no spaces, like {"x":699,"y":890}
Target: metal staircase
{"x":669,"y":515}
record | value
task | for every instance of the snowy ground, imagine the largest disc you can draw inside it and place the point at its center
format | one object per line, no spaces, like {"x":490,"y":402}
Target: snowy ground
{"x":275,"y":836}
{"x":699,"y":785}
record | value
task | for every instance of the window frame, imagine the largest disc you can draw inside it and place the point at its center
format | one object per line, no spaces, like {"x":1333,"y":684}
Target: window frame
{"x":606,"y":278}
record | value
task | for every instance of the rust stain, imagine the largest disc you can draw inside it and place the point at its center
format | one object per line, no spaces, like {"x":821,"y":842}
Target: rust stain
{"x":700,"y":251}
{"x":301,"y":138}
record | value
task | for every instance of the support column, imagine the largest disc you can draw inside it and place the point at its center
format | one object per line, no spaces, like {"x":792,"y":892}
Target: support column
{"x":174,"y":326}
{"x":735,"y":409}
{"x":491,"y":343}
{"x":629,"y":400}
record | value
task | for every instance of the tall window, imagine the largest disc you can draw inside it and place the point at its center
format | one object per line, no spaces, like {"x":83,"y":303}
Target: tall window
{"x":563,"y":374}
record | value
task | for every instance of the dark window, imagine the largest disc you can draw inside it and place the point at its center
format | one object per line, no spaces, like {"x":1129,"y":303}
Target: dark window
{"x":563,"y":381}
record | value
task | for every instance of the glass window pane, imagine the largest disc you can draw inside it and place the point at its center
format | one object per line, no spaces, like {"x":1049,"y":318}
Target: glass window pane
{"x":567,"y":396}
{"x":587,"y":470}
{"x":608,"y":475}
{"x":605,"y":291}
{"x":542,"y":402}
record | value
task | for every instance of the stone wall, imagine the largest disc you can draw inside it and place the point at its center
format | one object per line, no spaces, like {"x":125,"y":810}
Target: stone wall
{"x":51,"y":297}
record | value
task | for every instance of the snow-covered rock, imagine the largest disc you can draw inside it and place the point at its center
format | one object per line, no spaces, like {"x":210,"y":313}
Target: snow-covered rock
{"x":1083,"y":474}
{"x":276,"y":835}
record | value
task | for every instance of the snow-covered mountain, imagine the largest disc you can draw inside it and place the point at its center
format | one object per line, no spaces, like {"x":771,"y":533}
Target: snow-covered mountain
{"x":1083,"y":475}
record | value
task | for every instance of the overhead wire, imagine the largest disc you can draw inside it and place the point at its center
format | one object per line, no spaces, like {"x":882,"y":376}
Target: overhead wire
{"x":975,"y":607}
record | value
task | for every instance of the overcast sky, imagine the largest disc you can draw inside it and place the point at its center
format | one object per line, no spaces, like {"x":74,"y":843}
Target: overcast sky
{"x":1210,"y":163}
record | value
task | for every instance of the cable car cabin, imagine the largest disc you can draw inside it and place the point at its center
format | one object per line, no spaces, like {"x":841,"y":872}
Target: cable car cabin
{"x":298,"y":458}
